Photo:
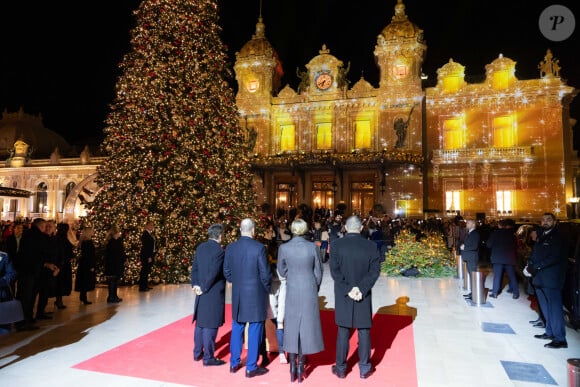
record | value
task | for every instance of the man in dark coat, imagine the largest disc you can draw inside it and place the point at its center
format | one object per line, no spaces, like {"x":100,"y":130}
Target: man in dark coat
{"x":503,"y":246}
{"x":209,"y":285}
{"x":547,"y":265}
{"x":470,"y":249}
{"x":246,"y":267}
{"x":146,"y":255}
{"x":355,"y":267}
{"x":32,"y":260}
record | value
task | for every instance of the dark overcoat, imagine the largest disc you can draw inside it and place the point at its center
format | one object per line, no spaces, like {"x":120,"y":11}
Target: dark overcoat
{"x":354,"y":261}
{"x":548,"y":261}
{"x":470,"y":252}
{"x":300,"y":263}
{"x":85,"y":280}
{"x":147,"y":246}
{"x":115,"y":257}
{"x":503,"y":245}
{"x":207,"y":273}
{"x":246,"y":267}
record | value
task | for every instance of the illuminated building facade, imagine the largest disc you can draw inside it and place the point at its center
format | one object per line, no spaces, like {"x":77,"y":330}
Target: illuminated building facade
{"x":499,"y":148}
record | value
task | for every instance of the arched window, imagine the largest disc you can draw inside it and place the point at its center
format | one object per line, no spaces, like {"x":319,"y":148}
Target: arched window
{"x":41,"y":202}
{"x":69,"y":187}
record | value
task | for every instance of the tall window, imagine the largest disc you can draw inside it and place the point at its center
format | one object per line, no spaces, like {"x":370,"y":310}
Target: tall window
{"x":324,"y":136}
{"x":287,"y":141}
{"x":41,"y":202}
{"x":504,"y":196}
{"x":504,"y":201}
{"x":362,"y":134}
{"x":500,"y":80}
{"x":504,"y":131}
{"x":322,"y":194}
{"x":453,"y":201}
{"x":451,"y":83}
{"x":453,"y":133}
{"x":362,"y":197}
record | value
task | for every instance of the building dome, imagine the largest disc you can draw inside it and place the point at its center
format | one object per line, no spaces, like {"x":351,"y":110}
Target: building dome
{"x":30,"y":129}
{"x":258,"y":45}
{"x":400,"y":26}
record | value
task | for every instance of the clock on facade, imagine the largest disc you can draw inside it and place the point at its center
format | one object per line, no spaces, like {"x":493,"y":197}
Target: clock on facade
{"x":323,"y":81}
{"x":253,"y":85}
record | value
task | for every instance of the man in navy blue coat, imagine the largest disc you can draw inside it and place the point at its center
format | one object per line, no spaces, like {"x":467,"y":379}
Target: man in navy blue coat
{"x":209,"y":285}
{"x":470,"y":248}
{"x":547,"y":264}
{"x":246,"y":267}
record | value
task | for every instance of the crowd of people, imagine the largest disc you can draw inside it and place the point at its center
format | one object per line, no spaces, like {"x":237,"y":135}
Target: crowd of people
{"x":276,"y":268}
{"x":43,"y":260}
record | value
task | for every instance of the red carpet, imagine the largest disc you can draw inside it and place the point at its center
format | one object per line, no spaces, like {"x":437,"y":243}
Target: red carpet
{"x":166,"y":355}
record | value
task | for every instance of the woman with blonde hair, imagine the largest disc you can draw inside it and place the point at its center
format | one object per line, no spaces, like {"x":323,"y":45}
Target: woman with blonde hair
{"x":114,"y":262}
{"x":299,"y":261}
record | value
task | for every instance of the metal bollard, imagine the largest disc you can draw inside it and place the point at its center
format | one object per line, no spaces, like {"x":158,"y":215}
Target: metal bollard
{"x":466,"y":278}
{"x":459,"y":263}
{"x":478,"y":287}
{"x":573,"y":372}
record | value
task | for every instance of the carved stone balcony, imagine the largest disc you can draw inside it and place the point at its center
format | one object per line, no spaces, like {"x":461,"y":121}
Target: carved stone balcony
{"x":481,"y":155}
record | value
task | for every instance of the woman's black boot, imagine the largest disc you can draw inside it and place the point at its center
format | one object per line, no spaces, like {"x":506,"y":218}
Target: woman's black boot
{"x":292,"y":361}
{"x":300,"y":372}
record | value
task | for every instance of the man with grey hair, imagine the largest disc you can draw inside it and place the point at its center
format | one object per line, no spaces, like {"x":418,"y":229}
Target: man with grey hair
{"x":246,"y":267}
{"x":355,"y":265}
{"x":209,"y":285}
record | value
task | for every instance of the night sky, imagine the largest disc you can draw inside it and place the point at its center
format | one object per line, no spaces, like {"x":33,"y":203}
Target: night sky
{"x":60,"y":60}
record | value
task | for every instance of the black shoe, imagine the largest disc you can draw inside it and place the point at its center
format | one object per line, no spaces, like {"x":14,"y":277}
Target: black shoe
{"x":114,"y":300}
{"x":467,"y":295}
{"x":556,"y":344}
{"x":536,"y":321}
{"x":59,"y":305}
{"x":144,"y":290}
{"x":339,"y":374}
{"x":149,"y":287}
{"x":493,"y":295}
{"x":213,"y":362}
{"x":86,"y":302}
{"x":198,"y":358}
{"x":544,"y":336}
{"x":516,"y":296}
{"x":509,"y":291}
{"x":368,"y":373}
{"x":43,"y":317}
{"x":257,"y":372}
{"x":539,"y":325}
{"x":236,"y":368}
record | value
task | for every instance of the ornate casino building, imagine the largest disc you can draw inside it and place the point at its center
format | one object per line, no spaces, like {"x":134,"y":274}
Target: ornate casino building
{"x":502,"y":147}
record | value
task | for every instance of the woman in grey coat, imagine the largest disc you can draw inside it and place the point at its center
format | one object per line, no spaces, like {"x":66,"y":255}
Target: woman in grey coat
{"x":300,"y":263}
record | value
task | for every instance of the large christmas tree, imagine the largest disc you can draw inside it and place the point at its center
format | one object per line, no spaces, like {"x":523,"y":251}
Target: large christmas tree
{"x":176,"y":153}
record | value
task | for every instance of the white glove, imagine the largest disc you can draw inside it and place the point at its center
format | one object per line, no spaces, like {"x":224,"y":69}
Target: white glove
{"x":197,"y":290}
{"x":355,"y":294}
{"x":526,"y":272}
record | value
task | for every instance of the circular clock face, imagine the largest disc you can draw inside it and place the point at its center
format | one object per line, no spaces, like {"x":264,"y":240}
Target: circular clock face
{"x":253,"y":85}
{"x":323,"y":81}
